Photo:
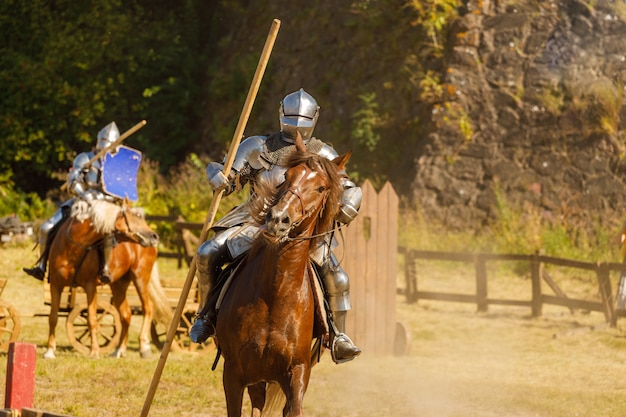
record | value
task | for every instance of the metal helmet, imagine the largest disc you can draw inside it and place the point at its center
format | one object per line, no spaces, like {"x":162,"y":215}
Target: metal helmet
{"x":298,"y":112}
{"x":107,"y":136}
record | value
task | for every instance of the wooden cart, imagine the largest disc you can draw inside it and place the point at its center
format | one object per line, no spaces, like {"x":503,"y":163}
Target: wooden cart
{"x":171,"y":290}
{"x":10,"y":324}
{"x":74,"y":305}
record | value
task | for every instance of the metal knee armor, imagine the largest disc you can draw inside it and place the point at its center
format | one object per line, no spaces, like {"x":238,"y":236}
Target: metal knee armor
{"x":211,"y":256}
{"x":337,"y":284}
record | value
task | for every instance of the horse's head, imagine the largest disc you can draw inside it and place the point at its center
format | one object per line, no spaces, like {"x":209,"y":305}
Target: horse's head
{"x":131,"y":225}
{"x":309,"y":199}
{"x":127,"y":223}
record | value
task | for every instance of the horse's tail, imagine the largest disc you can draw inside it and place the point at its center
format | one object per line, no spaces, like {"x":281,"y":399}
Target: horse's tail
{"x":274,"y":400}
{"x":162,"y":309}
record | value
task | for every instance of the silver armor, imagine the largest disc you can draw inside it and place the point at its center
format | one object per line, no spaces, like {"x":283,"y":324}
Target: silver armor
{"x":262,"y":160}
{"x":298,"y":112}
{"x":83,"y":182}
{"x":109,"y":134}
{"x":256,"y":163}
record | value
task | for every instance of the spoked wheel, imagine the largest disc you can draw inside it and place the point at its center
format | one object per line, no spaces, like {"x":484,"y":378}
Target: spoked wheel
{"x":109,"y":328}
{"x":181,"y":342}
{"x":10,"y":325}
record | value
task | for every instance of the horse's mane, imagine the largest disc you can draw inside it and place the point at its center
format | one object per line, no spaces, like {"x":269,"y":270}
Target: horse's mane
{"x":266,"y":196}
{"x":102,"y":214}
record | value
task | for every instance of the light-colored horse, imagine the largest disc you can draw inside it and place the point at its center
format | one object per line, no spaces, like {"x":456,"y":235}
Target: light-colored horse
{"x":75,"y":261}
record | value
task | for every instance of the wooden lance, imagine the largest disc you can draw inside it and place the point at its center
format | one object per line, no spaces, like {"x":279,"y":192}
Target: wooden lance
{"x":230,"y":158}
{"x":113,"y":145}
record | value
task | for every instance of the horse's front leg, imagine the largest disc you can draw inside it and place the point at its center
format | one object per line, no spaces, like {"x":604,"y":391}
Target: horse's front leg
{"x":257,"y":393}
{"x":233,"y":390}
{"x":119,"y":288}
{"x":294,"y":390}
{"x":142,"y":285}
{"x":92,"y":319}
{"x":53,"y":318}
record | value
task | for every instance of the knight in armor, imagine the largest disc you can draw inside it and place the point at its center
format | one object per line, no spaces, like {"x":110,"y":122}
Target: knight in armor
{"x":260,"y":159}
{"x":84,"y":182}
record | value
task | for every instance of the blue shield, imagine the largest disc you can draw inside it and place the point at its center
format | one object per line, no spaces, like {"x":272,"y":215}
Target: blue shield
{"x":119,"y":172}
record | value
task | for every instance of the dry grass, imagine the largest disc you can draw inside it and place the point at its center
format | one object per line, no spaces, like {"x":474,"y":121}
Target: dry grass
{"x":501,"y":363}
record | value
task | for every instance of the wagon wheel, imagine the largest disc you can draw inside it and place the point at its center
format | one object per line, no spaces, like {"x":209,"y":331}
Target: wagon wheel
{"x":181,"y":342}
{"x":109,"y":328}
{"x":10,"y":325}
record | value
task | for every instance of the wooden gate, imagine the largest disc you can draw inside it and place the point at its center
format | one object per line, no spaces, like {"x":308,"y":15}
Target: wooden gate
{"x":368,"y":250}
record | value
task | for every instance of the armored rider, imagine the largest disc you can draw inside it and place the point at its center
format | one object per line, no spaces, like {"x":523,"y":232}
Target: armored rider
{"x":260,"y":159}
{"x":84,"y":182}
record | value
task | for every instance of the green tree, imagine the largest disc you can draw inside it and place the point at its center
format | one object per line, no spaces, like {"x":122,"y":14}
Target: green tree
{"x":68,"y":68}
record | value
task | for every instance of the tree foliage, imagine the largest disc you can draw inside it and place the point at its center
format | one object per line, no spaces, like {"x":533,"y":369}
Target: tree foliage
{"x":68,"y":68}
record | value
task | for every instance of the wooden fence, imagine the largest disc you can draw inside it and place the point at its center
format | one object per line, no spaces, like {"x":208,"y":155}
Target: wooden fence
{"x":367,"y":250}
{"x":605,"y":303}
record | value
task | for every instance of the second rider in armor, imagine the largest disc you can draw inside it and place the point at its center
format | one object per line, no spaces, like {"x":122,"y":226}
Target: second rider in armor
{"x":84,"y":182}
{"x":260,"y":159}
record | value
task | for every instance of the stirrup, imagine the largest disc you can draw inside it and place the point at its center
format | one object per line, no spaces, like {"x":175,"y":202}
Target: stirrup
{"x":342,"y":337}
{"x":35,"y":272}
{"x":201,"y":329}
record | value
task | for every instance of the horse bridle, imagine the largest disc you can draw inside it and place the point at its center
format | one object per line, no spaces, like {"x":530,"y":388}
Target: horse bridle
{"x":295,"y":190}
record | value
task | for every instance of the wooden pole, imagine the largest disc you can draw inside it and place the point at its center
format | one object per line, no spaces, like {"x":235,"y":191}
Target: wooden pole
{"x":117,"y":142}
{"x":243,"y":120}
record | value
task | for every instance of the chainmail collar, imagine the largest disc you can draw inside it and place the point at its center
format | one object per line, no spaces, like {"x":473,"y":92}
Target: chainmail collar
{"x":277,"y":151}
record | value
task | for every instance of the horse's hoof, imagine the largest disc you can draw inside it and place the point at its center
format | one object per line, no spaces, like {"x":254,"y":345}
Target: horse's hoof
{"x":49,"y":354}
{"x":145,"y":354}
{"x":117,"y":354}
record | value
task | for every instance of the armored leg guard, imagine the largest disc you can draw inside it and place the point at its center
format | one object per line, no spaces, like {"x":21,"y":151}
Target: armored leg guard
{"x":211,"y":256}
{"x":46,"y":234}
{"x":107,"y":248}
{"x":39,"y":270}
{"x":342,"y":348}
{"x":204,"y":324}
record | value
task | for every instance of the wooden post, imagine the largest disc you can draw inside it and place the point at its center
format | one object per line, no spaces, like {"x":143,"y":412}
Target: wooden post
{"x":410,"y":274}
{"x":481,"y":284}
{"x":241,"y":124}
{"x":20,"y":378}
{"x":604,"y":285}
{"x":535,"y":277}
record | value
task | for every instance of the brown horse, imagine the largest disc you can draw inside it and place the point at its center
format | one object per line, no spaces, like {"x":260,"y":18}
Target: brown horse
{"x":74,"y":262}
{"x":267,"y":319}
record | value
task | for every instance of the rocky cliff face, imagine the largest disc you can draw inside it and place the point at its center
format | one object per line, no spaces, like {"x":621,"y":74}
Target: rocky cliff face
{"x":542,"y":85}
{"x":529,"y":112}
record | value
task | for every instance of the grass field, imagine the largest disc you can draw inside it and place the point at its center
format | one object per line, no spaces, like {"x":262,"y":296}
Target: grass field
{"x":462,"y":363}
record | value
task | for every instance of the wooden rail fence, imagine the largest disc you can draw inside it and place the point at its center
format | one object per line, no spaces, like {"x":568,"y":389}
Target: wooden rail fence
{"x":606,"y":303}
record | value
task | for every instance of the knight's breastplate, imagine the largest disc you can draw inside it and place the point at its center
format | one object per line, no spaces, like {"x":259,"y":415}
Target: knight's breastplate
{"x":272,"y":178}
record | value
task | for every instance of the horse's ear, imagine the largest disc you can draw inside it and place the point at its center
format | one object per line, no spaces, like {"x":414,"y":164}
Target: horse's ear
{"x":300,"y":146}
{"x":342,"y":160}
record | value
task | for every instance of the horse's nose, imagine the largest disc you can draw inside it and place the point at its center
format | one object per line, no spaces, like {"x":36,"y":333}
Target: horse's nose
{"x":278,"y":221}
{"x":150,"y":239}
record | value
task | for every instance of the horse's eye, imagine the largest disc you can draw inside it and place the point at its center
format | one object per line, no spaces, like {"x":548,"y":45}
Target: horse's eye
{"x":321,"y":189}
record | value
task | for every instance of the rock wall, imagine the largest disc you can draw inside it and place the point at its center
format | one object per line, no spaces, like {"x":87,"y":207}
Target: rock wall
{"x":542,"y":86}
